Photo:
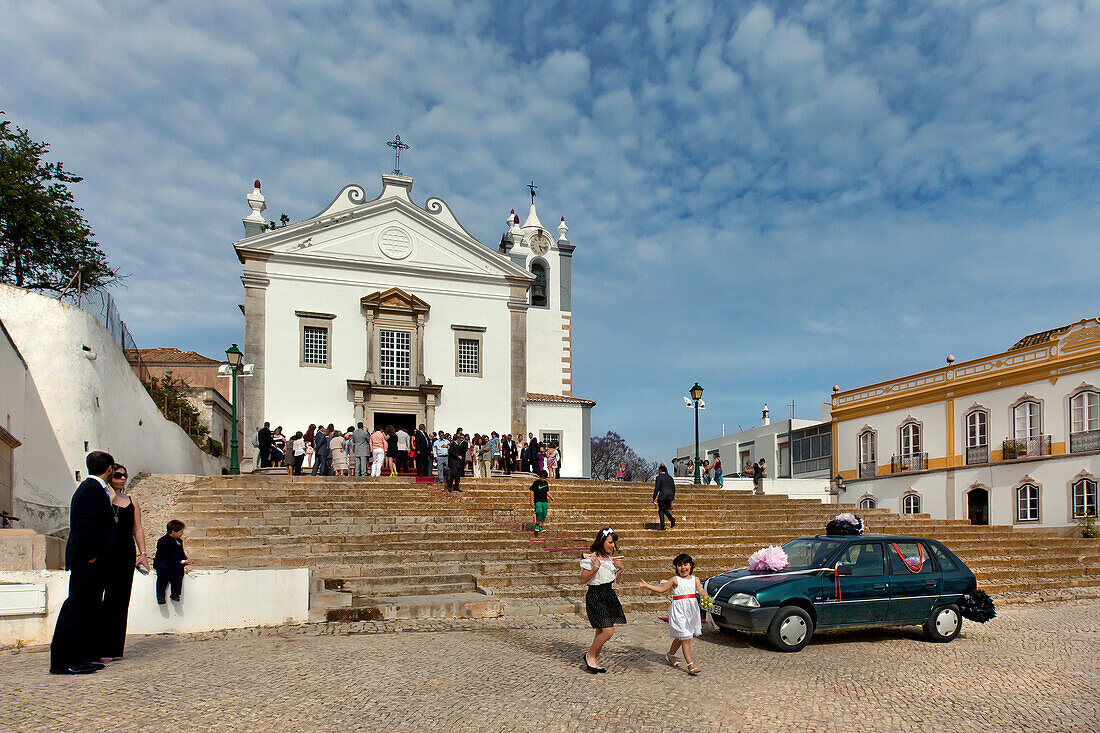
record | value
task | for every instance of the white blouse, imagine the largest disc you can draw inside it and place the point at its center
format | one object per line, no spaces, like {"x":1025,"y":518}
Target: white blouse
{"x":604,"y":574}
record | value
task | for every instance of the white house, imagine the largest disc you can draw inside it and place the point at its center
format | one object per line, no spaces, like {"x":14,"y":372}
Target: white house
{"x":1010,"y":438}
{"x":388,"y":312}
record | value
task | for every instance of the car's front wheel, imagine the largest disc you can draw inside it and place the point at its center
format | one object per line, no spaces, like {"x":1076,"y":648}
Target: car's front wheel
{"x":944,"y":624}
{"x":791,"y":629}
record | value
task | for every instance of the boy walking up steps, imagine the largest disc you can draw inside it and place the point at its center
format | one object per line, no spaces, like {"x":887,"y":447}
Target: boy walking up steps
{"x":540,"y":499}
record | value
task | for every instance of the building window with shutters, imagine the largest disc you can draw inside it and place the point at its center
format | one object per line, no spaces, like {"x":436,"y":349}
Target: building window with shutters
{"x":1027,"y":503}
{"x":1084,"y":422}
{"x":977,"y":437}
{"x":910,"y":504}
{"x":867,"y":465}
{"x":1084,"y":498}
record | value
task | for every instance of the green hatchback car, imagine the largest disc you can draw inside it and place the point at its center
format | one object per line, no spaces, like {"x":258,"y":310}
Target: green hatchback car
{"x":842,"y":582}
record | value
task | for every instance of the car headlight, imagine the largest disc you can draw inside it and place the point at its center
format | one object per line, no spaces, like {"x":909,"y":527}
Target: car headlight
{"x":744,"y":599}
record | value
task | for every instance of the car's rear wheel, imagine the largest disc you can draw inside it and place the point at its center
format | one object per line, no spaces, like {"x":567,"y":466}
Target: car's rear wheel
{"x":791,"y":629}
{"x":944,"y":624}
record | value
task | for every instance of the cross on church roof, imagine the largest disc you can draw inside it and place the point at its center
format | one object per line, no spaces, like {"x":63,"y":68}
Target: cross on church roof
{"x":398,"y":146}
{"x":532,"y":186}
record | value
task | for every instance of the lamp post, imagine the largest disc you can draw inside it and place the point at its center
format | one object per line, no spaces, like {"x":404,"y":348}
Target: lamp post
{"x":234,"y":356}
{"x":696,"y":395}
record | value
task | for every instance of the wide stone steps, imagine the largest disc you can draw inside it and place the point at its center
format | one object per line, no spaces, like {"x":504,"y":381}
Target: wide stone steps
{"x":383,"y":548}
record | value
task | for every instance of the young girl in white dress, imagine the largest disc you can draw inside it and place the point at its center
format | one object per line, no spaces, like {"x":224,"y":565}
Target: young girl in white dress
{"x":684,"y":619}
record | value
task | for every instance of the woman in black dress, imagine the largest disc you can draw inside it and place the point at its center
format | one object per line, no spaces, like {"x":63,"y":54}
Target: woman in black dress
{"x":120,"y":568}
{"x":391,"y":450}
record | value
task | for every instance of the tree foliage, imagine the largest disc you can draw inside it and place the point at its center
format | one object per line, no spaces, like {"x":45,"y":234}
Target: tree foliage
{"x":610,"y":450}
{"x":44,"y":239}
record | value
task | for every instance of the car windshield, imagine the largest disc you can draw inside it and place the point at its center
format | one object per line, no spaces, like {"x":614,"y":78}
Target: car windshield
{"x":808,"y":554}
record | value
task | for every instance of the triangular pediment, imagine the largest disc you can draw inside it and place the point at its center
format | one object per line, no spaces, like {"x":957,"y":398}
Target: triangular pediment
{"x":394,"y":299}
{"x":390,"y":232}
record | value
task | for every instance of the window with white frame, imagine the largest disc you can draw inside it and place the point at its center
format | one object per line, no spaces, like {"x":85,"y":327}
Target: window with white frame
{"x":910,"y":504}
{"x":1084,"y":498}
{"x":469,"y":356}
{"x":1027,"y":503}
{"x":315,"y":345}
{"x":977,"y":429}
{"x":394,"y":358}
{"x":867,"y":447}
{"x":1084,"y":412}
{"x":910,"y":440}
{"x":867,"y":503}
{"x":1026,"y":418}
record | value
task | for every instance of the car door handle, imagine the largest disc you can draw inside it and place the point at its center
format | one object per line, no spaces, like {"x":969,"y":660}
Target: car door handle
{"x":929,"y":584}
{"x":879,"y":586}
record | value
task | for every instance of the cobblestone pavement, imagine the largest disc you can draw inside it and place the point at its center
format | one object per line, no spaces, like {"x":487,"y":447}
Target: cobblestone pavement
{"x":1031,"y":669}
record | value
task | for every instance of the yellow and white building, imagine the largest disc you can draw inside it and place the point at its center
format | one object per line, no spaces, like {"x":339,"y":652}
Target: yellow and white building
{"x":1011,"y":438}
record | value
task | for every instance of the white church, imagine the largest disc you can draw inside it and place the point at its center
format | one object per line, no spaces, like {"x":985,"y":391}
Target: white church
{"x":385,"y":312}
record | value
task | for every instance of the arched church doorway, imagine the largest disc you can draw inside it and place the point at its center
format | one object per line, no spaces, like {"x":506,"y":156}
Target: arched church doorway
{"x":977,"y":506}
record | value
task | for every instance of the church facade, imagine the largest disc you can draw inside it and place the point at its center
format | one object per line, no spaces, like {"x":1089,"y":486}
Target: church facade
{"x":386,"y":312}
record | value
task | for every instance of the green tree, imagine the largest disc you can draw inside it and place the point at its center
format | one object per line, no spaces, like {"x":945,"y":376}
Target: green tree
{"x":44,"y":239}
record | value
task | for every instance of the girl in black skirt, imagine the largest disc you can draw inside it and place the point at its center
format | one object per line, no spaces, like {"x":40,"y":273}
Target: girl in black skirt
{"x":599,"y":570}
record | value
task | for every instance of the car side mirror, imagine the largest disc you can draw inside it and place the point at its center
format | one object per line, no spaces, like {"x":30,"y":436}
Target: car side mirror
{"x":843,"y":569}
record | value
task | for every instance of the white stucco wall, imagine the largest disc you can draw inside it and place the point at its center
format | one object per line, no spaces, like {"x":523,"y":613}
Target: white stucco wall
{"x":212,"y":599}
{"x":296,"y":396}
{"x":573,"y":422}
{"x":13,"y":399}
{"x":886,"y":425}
{"x":73,"y":405}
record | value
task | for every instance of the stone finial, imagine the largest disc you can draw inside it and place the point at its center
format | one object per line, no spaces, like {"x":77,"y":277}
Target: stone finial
{"x":563,"y":229}
{"x":254,"y":223}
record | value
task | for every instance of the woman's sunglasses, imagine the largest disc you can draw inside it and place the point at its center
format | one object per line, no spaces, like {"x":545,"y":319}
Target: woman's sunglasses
{"x":119,"y":474}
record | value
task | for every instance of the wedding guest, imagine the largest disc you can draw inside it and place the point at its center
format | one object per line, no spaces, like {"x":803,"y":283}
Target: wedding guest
{"x":278,"y":447}
{"x":486,"y":457}
{"x":296,"y":454}
{"x":339,"y":454}
{"x":122,"y":561}
{"x":170,"y":561}
{"x":91,"y":539}
{"x":391,"y":451}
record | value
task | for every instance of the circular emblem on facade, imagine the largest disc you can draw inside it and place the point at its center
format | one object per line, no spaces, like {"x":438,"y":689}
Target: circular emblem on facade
{"x":395,"y":243}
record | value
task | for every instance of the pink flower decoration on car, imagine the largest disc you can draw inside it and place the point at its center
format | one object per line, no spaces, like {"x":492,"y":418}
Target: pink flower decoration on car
{"x":847,"y":517}
{"x":771,"y":558}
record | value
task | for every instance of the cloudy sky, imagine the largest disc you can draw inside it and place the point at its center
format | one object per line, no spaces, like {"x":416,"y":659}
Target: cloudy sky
{"x":767,"y":197}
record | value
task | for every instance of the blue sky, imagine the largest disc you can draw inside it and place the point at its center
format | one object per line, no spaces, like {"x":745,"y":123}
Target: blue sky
{"x":769,"y":198}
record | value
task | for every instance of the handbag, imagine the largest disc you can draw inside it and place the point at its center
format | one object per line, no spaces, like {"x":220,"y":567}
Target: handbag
{"x":412,"y":454}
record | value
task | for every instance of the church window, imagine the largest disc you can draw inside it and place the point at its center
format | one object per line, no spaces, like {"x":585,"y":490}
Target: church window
{"x":910,"y":504}
{"x":469,"y":356}
{"x":314,"y":339}
{"x":394,"y":358}
{"x":315,"y":345}
{"x":540,"y":287}
{"x":550,"y":437}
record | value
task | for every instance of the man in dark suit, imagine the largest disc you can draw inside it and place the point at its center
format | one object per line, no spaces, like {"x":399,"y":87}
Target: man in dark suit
{"x":423,"y":447}
{"x":508,"y":454}
{"x":456,"y":460}
{"x":266,"y":442}
{"x":664,"y":492}
{"x":525,"y":458}
{"x":91,"y":536}
{"x":322,"y":454}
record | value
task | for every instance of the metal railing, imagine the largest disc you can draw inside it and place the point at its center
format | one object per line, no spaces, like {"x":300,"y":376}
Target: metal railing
{"x":912,"y":462}
{"x":813,"y":464}
{"x":868,"y":469}
{"x":1084,"y":441}
{"x":977,"y":454}
{"x":1030,"y":447}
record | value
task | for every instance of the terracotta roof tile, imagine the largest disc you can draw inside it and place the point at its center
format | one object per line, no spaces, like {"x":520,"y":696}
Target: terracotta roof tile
{"x":558,"y":398}
{"x":1038,"y":338}
{"x":168,"y":355}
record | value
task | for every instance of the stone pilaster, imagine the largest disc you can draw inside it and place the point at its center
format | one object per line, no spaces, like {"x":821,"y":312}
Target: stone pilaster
{"x":368,"y":373}
{"x":420,"y":378}
{"x":252,"y":404}
{"x":517,"y":308}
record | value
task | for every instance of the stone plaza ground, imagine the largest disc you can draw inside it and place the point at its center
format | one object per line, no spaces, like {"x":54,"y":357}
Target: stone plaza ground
{"x":1033,"y":668}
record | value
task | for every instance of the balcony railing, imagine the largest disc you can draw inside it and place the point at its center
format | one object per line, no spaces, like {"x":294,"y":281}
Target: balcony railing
{"x":1030,"y":447}
{"x":868,"y":469}
{"x":1084,"y":441}
{"x":913,"y":462}
{"x":977,"y":454}
{"x":811,"y":465}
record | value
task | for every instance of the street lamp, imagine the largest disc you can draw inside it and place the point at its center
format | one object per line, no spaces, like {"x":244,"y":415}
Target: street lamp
{"x":696,"y":393}
{"x":234,"y":356}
